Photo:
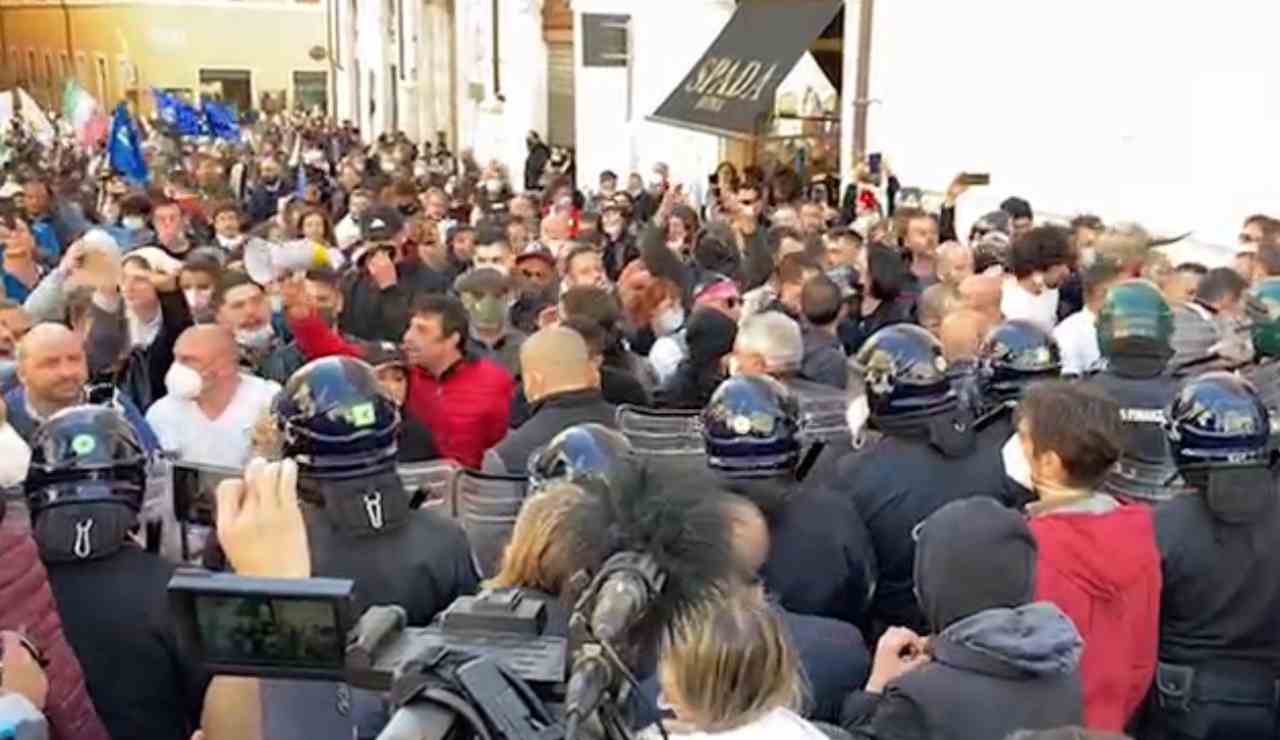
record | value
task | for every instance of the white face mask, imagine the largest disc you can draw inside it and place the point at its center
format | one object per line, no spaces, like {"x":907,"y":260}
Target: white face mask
{"x":198,"y":298}
{"x":1016,"y":465}
{"x":669,"y":321}
{"x":388,"y":167}
{"x":277,"y":303}
{"x":1088,"y":256}
{"x":231,"y":242}
{"x":493,"y":186}
{"x":656,"y":181}
{"x":133,"y":222}
{"x":255,"y":338}
{"x":183,"y":382}
{"x":856,"y":418}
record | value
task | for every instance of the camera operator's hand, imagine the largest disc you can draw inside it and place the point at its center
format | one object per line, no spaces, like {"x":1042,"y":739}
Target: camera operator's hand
{"x":260,"y":525}
{"x":22,"y":674}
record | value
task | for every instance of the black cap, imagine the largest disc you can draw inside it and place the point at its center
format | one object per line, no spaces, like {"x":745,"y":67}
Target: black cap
{"x":380,"y":224}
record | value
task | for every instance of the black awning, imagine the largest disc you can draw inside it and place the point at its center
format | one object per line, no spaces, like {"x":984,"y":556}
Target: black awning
{"x":730,"y":90}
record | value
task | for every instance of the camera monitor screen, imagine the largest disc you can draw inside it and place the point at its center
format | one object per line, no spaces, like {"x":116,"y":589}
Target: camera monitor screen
{"x":264,"y":627}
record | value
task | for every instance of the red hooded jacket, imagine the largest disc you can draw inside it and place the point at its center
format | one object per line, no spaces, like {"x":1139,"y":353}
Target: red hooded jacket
{"x":468,"y":409}
{"x":26,"y":603}
{"x":1099,"y":563}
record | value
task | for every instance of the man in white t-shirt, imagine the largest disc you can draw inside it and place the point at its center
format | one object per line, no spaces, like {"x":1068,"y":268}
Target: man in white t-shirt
{"x":211,"y":407}
{"x":1039,"y":260}
{"x":1077,"y":335}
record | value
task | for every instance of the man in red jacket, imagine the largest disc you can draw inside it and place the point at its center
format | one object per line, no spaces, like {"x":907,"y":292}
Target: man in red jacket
{"x":465,"y":402}
{"x":1098,"y":560}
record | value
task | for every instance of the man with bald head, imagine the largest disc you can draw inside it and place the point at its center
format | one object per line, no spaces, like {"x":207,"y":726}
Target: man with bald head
{"x":981,"y":293}
{"x":211,"y":406}
{"x":563,"y":388}
{"x":54,"y":372}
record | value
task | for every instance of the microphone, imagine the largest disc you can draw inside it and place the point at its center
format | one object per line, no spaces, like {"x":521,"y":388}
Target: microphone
{"x":625,"y":587}
{"x":653,"y":545}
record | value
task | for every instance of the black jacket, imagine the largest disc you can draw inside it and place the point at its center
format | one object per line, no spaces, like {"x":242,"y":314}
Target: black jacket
{"x":141,"y":373}
{"x":422,"y":565}
{"x":1221,"y":599}
{"x":895,"y":483}
{"x":116,"y":614}
{"x":264,"y":201}
{"x":617,"y":387}
{"x":854,"y":331}
{"x":550,"y":416}
{"x":689,"y":388}
{"x":380,"y":315}
{"x":617,"y":253}
{"x":824,"y":359}
{"x":809,"y":525}
{"x":993,"y":673}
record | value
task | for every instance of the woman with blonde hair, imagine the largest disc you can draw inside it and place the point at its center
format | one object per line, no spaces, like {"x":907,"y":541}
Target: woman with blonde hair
{"x":539,"y":559}
{"x":729,"y":669}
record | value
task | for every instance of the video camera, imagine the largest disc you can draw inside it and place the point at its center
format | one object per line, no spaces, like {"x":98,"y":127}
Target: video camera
{"x":486,"y":659}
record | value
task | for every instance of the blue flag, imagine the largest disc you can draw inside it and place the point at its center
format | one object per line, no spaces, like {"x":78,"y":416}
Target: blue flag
{"x":177,"y":114}
{"x":124,"y":149}
{"x":222,"y":122}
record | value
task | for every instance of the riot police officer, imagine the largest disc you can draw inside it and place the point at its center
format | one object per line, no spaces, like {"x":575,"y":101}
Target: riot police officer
{"x":929,"y":455}
{"x":1135,"y":325}
{"x":84,"y":489}
{"x":751,"y":431}
{"x":341,"y":429}
{"x":590,"y":455}
{"x":1013,"y":356}
{"x":1219,"y":670}
{"x":1265,"y":334}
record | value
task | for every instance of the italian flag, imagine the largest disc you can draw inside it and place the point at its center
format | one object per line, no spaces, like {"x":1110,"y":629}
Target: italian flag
{"x":84,"y":114}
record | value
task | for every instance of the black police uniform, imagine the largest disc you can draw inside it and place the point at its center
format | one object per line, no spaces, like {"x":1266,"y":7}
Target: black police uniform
{"x":1135,"y":325}
{"x":84,"y":489}
{"x":929,"y":456}
{"x":342,"y":431}
{"x":1219,"y":658}
{"x":752,"y":438}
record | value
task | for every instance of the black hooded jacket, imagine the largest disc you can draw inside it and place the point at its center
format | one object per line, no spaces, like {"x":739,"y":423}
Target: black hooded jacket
{"x":998,"y":663}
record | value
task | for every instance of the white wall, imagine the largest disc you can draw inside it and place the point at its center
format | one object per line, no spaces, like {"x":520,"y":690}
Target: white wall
{"x":1142,"y":110}
{"x":668,"y":37}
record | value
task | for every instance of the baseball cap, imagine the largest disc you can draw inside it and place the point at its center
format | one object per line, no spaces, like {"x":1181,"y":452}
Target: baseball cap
{"x":380,"y":224}
{"x":157,"y":259}
{"x":536,"y":250}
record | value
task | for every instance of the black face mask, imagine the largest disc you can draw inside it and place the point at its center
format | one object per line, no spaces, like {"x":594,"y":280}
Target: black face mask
{"x":271,"y":182}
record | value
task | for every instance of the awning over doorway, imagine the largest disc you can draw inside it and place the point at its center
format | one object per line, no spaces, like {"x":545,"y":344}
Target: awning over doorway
{"x":730,"y":90}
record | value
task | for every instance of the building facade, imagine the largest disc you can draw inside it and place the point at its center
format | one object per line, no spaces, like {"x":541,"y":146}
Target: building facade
{"x":584,"y":74}
{"x":235,"y":50}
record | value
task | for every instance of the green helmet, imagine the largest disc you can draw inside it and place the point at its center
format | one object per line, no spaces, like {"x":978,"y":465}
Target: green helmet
{"x":1266,"y":329}
{"x":1135,"y":319}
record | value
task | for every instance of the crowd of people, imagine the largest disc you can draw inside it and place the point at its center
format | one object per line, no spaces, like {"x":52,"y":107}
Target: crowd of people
{"x":1051,"y":512}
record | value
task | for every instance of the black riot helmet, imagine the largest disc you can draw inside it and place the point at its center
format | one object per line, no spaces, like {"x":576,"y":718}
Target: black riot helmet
{"x":337,"y":421}
{"x":85,"y":454}
{"x":1219,"y":433}
{"x":904,"y":374}
{"x":1013,"y":356}
{"x":751,"y":428}
{"x":583,"y":454}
